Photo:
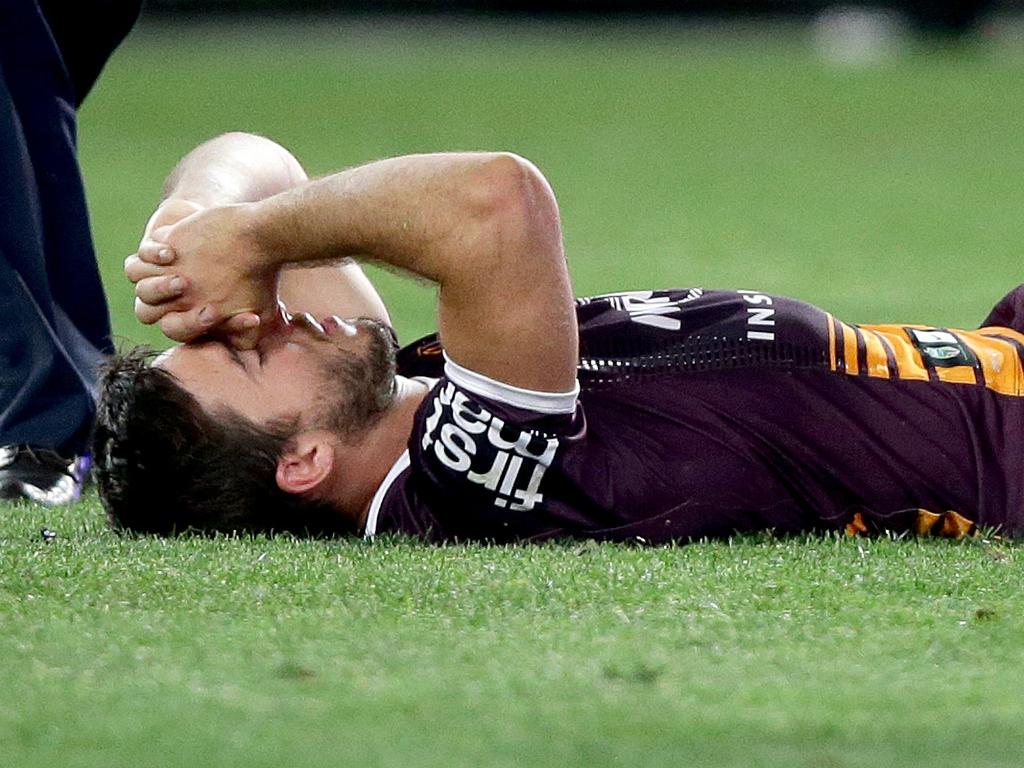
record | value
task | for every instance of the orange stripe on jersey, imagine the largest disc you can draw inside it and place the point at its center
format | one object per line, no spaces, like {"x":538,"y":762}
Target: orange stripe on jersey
{"x":999,"y":352}
{"x":850,"y":348}
{"x":960,"y":374}
{"x":906,"y":358}
{"x":877,"y":359}
{"x":999,"y":357}
{"x":830,"y":322}
{"x":1008,"y":333}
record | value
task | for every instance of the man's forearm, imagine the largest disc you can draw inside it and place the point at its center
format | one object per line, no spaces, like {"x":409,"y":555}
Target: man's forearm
{"x":484,"y":227}
{"x":421,"y":213}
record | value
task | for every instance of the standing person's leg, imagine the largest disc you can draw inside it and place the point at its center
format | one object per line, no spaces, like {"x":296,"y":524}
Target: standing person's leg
{"x":55,"y":323}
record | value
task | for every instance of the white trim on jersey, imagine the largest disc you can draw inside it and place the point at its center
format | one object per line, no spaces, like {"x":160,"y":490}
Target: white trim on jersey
{"x":378,"y":498}
{"x":528,"y":399}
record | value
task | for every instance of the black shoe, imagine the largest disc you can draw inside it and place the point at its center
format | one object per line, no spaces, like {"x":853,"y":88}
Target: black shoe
{"x":41,"y":475}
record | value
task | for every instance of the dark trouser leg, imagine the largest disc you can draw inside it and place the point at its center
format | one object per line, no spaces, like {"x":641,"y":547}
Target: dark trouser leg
{"x":54,"y":325}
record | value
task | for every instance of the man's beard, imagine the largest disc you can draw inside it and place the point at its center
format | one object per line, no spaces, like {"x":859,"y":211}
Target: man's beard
{"x":357,"y":388}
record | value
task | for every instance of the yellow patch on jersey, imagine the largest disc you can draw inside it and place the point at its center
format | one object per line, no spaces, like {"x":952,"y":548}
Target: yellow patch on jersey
{"x":890,"y":348}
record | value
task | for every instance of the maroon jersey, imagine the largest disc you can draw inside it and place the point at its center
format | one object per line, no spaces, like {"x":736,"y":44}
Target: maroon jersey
{"x":704,"y":413}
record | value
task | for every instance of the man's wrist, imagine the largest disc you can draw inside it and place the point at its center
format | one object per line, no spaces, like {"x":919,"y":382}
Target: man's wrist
{"x":258,"y":228}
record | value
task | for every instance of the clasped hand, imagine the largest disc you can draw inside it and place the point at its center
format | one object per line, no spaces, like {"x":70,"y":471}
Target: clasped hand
{"x":200,"y":271}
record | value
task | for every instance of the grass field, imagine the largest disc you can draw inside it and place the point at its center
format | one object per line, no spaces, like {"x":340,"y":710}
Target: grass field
{"x":725,"y":159}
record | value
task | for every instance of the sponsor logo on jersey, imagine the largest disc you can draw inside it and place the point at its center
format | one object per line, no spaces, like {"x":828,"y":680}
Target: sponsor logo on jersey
{"x":429,"y":348}
{"x":941,"y":348}
{"x":470,"y":441}
{"x":760,"y":316}
{"x":651,"y":308}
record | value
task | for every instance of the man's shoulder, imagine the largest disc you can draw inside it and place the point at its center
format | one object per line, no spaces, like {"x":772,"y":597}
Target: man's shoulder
{"x":477,"y":455}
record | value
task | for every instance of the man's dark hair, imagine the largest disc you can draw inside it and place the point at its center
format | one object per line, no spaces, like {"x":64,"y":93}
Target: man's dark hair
{"x":165,"y":465}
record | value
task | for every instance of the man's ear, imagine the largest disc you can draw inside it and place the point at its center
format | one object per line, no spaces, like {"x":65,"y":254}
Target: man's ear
{"x":307,"y":461}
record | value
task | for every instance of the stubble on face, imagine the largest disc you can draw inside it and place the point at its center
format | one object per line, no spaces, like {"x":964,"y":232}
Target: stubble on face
{"x":357,"y":388}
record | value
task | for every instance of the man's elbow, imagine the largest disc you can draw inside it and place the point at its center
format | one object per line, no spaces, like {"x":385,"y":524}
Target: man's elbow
{"x":259,"y":154}
{"x":512,"y":200}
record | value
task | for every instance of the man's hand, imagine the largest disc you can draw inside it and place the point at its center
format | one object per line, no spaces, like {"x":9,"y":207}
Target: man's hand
{"x":205,"y":274}
{"x":483,"y":226}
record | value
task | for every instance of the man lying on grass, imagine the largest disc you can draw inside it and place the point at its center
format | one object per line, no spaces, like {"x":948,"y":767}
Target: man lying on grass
{"x":646,"y":415}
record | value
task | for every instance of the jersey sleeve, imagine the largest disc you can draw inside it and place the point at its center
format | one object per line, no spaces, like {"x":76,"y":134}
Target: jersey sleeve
{"x":481,"y":454}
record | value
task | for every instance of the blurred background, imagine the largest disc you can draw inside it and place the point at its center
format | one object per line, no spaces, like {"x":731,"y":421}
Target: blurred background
{"x":866,"y":157}
{"x":944,"y":16}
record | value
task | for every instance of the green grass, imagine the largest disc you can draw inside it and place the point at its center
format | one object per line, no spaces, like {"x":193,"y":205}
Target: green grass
{"x":679,"y":158}
{"x":775,"y":653}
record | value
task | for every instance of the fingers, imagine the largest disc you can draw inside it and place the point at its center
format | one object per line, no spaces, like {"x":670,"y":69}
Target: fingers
{"x":158,"y":296}
{"x":147,"y":314}
{"x":162,"y":234}
{"x":186,"y":326}
{"x":148,"y":260}
{"x":242,"y":331}
{"x":155,"y":252}
{"x":161,"y":289}
{"x":136,"y":268}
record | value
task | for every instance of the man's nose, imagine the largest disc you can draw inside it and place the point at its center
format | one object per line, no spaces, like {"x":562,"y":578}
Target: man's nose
{"x":307,"y":321}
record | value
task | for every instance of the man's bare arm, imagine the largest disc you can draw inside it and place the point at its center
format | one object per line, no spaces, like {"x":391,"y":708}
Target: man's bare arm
{"x":241,"y":167}
{"x":483,"y":226}
{"x":231,"y":168}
